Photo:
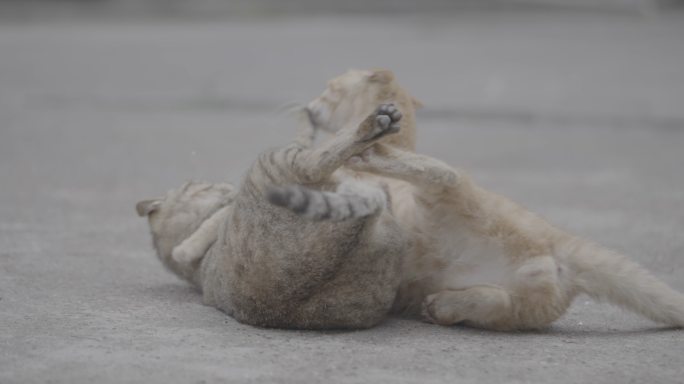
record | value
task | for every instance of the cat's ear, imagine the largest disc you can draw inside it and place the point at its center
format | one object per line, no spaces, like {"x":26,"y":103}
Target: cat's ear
{"x":145,"y":207}
{"x":383,"y":76}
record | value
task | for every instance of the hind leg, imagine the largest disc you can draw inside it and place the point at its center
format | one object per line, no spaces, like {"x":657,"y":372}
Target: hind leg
{"x":315,"y":165}
{"x":483,"y":306}
{"x":365,"y":283}
{"x":346,"y":279}
{"x":534,"y":299}
{"x":541,"y":293}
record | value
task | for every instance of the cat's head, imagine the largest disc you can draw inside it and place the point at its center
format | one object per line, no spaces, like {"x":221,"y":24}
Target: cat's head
{"x":177,"y":215}
{"x":349,"y":98}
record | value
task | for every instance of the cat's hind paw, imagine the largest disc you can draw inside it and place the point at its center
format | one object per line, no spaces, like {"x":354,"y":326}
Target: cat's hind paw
{"x":383,"y":121}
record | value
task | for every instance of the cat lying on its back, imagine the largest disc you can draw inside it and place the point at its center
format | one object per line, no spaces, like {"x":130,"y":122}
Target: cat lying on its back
{"x":297,"y":247}
{"x":478,"y":258}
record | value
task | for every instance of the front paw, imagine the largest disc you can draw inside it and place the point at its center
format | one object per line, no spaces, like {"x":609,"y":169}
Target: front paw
{"x":384,"y":121}
{"x":180,"y":255}
{"x":185,"y":254}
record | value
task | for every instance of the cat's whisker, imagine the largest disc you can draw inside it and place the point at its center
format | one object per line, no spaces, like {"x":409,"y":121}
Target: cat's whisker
{"x":289,"y":108}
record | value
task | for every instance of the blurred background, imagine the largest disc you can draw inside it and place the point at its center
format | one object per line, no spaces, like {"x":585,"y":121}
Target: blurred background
{"x":159,"y":68}
{"x":222,"y":8}
{"x":574,"y":108}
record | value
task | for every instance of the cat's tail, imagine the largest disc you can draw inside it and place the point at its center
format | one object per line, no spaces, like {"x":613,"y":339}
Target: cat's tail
{"x":351,"y":200}
{"x":608,"y":276}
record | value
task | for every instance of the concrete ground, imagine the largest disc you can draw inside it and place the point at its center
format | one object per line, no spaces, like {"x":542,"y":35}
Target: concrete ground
{"x":577,"y":116}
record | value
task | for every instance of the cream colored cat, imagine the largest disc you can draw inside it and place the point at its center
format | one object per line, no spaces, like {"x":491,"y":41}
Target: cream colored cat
{"x":478,"y":258}
{"x":290,"y":252}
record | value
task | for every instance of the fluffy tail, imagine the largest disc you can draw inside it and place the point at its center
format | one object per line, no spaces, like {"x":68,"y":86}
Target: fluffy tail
{"x":347,"y":203}
{"x":607,"y":276}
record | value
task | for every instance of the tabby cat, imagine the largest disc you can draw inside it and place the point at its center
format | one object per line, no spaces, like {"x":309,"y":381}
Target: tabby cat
{"x":297,"y":246}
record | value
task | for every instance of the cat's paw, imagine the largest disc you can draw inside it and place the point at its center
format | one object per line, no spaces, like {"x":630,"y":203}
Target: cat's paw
{"x":183,"y":254}
{"x":383,"y":121}
{"x":436,"y":310}
{"x":361,"y":161}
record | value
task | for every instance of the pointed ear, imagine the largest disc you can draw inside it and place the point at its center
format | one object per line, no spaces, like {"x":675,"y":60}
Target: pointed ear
{"x":384,"y":76}
{"x":417,"y":104}
{"x":145,"y":207}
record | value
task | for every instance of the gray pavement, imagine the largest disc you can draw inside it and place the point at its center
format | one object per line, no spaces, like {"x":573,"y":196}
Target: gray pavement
{"x":577,"y":116}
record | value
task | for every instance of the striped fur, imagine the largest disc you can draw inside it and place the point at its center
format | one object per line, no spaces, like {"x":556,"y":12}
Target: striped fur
{"x":352,"y":201}
{"x":269,"y":266}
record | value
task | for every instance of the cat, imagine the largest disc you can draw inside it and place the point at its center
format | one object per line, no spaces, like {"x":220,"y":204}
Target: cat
{"x":353,"y":95}
{"x":478,"y":258}
{"x":298,"y":246}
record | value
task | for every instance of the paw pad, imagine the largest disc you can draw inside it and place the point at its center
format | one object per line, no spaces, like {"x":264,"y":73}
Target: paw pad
{"x":386,"y":121}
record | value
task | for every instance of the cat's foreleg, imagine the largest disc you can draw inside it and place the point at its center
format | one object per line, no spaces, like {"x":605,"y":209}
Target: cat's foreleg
{"x":425,"y":171}
{"x":315,"y":165}
{"x":196,"y":245}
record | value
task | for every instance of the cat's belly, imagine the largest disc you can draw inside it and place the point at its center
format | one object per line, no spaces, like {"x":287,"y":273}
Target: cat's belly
{"x":470,"y":261}
{"x":458,"y":263}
